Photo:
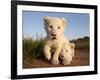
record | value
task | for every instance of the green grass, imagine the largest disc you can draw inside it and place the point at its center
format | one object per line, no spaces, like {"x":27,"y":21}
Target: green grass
{"x":32,"y":48}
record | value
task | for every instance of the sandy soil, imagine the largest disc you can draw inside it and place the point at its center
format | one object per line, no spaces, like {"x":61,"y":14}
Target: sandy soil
{"x":81,"y":59}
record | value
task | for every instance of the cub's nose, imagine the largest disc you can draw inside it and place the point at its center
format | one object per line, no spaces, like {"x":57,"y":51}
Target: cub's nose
{"x":53,"y":34}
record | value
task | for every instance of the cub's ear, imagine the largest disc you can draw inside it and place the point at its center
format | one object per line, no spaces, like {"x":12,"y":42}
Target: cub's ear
{"x":72,"y":45}
{"x":64,"y":21}
{"x":46,"y":19}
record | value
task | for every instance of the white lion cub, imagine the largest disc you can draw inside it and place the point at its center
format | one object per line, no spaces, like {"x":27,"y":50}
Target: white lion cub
{"x":55,"y":37}
{"x":67,"y":53}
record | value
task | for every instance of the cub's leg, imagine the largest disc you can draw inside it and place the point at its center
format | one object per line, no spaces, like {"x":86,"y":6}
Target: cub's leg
{"x":47,"y":52}
{"x":55,"y":59}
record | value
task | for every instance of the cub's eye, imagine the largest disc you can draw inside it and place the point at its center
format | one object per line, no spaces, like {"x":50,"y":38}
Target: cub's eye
{"x":66,"y":50}
{"x":58,"y":27}
{"x":50,"y":26}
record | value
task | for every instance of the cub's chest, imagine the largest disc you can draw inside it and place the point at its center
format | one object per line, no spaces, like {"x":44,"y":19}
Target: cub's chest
{"x":54,"y":43}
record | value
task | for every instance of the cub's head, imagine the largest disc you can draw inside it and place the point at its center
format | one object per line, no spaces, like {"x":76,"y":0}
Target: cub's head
{"x":67,"y":51}
{"x":54,"y":26}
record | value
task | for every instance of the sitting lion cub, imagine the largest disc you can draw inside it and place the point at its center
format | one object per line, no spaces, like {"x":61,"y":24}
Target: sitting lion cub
{"x":67,"y":53}
{"x":55,"y":38}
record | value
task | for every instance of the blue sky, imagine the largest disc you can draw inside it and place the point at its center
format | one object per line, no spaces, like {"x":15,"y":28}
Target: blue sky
{"x":78,"y":23}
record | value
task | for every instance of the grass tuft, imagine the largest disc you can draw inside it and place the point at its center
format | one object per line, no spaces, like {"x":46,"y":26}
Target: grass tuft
{"x":32,"y":47}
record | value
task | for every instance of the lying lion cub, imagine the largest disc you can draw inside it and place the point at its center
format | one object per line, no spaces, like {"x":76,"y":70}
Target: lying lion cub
{"x":67,"y":53}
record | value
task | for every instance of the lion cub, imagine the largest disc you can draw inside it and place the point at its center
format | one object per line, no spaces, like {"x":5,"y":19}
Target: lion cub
{"x":55,"y":38}
{"x":67,"y":53}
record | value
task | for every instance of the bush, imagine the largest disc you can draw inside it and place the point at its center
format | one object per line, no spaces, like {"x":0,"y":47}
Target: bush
{"x":82,"y":43}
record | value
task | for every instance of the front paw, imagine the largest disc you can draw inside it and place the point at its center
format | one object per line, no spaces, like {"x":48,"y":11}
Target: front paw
{"x":48,"y":57}
{"x":55,"y":61}
{"x":66,"y":62}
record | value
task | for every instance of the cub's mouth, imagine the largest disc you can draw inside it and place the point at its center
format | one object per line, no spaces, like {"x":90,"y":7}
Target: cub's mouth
{"x":53,"y":37}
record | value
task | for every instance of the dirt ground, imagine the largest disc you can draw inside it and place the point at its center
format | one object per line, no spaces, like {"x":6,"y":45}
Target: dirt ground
{"x":81,"y":59}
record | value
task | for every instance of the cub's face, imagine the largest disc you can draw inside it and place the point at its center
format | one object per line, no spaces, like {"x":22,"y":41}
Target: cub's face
{"x":67,"y":51}
{"x":54,"y":26}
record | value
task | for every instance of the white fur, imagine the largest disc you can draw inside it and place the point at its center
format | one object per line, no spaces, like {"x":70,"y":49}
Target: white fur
{"x":52,"y":25}
{"x":67,"y":53}
{"x":72,"y":49}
